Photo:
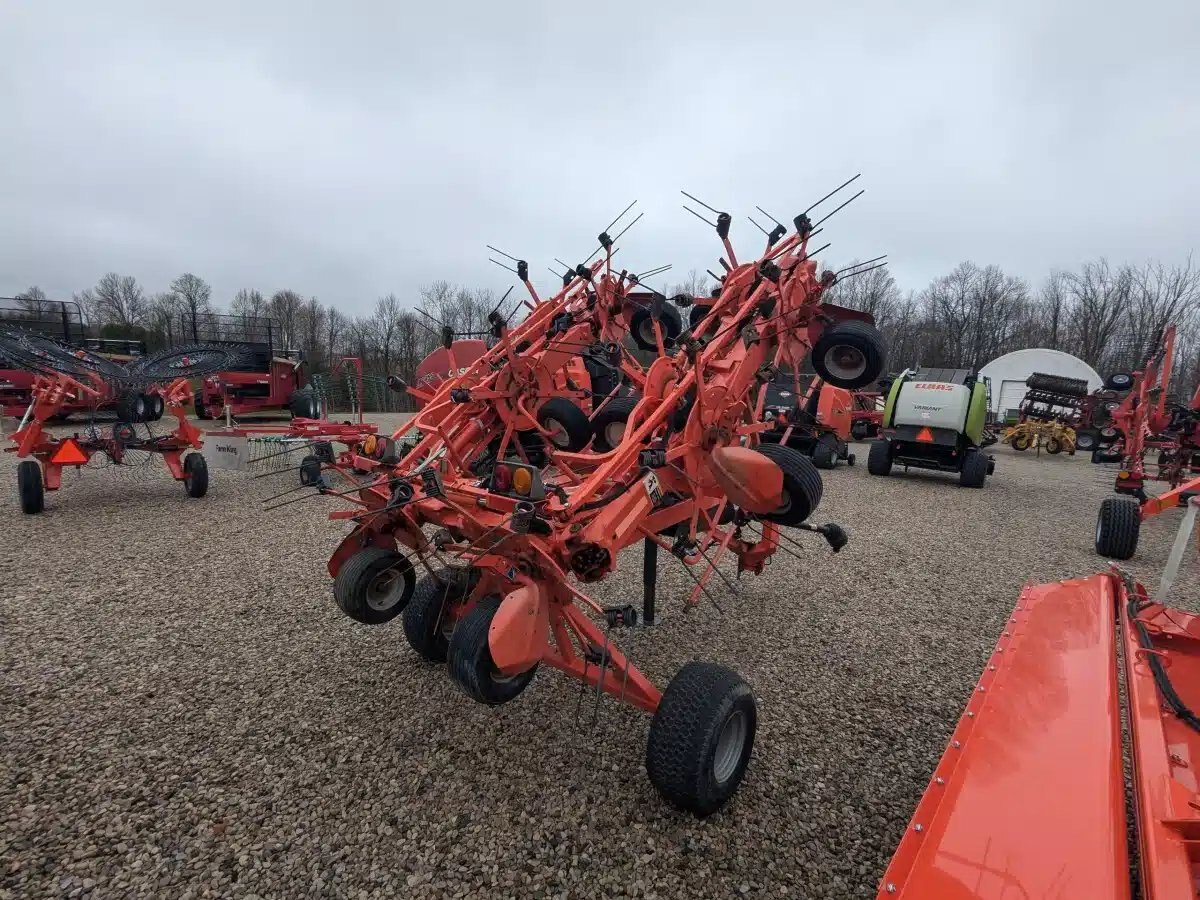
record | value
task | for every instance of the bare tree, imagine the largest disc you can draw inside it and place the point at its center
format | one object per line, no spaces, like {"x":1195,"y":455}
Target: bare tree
{"x":387,"y":312}
{"x":119,"y":301}
{"x":32,"y":300}
{"x":284,"y":308}
{"x":873,"y":292}
{"x":194,"y":296}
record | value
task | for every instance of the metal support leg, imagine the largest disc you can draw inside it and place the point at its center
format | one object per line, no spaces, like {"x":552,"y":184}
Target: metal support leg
{"x":649,"y":580}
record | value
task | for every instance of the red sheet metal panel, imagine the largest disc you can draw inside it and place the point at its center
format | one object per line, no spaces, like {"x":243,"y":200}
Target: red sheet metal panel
{"x":1166,"y":751}
{"x":1027,"y":800}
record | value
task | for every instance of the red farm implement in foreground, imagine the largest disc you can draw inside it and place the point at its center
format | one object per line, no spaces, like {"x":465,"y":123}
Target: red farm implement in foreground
{"x":1029,"y":799}
{"x":1146,"y":422}
{"x":64,"y":375}
{"x":511,"y":508}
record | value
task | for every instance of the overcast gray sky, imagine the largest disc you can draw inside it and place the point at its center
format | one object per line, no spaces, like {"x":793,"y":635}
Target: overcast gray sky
{"x":353,"y":149}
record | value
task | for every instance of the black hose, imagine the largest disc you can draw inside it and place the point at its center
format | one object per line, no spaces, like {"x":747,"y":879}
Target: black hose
{"x":1159,"y":672}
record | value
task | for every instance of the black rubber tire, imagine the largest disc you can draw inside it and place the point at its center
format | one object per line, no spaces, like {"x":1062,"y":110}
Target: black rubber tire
{"x":702,"y":701}
{"x":202,"y":412}
{"x":615,"y":412}
{"x":697,"y":313}
{"x":851,"y":459}
{"x":974,"y":471}
{"x":310,"y":471}
{"x":1119,"y":381}
{"x":575,"y":429}
{"x":640,"y":322}
{"x":424,"y":616}
{"x":130,"y":406}
{"x":1054,"y":446}
{"x":801,"y":484}
{"x":155,"y":407}
{"x":304,"y":404}
{"x":1021,"y":442}
{"x":1117,"y":527}
{"x":860,"y":431}
{"x":879,"y":458}
{"x":1086,"y":441}
{"x":849,"y":335}
{"x":469,"y":658}
{"x":195,"y":475}
{"x":365,"y":574}
{"x":824,"y":452}
{"x":30,"y":489}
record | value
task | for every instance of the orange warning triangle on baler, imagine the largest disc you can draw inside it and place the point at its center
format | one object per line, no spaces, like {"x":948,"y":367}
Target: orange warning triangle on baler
{"x":925,"y":436}
{"x":69,"y":454}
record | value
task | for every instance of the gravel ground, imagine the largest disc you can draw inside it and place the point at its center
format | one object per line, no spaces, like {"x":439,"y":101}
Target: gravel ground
{"x":184,"y":712}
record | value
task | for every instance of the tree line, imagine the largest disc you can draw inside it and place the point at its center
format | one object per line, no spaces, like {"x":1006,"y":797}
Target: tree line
{"x":1107,"y":314}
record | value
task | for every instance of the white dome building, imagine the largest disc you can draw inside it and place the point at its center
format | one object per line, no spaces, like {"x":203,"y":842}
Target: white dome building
{"x":1008,"y":374}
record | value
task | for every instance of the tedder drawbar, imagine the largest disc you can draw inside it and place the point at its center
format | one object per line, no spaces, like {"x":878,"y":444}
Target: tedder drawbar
{"x":66,"y":377}
{"x":527,"y":483}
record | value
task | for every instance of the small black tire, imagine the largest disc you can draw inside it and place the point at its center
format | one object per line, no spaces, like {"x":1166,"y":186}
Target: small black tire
{"x":701,"y":738}
{"x":860,"y":431}
{"x":879,"y":458}
{"x":202,"y":412}
{"x":130,"y":406}
{"x":1117,"y":527}
{"x":310,"y":471}
{"x":195,"y":475}
{"x":30,"y":489}
{"x":697,"y":313}
{"x":851,"y":459}
{"x":608,"y":425}
{"x":569,"y":426}
{"x":304,"y":404}
{"x":1119,"y":381}
{"x":974,"y":471}
{"x":1054,"y":446}
{"x":849,"y":354}
{"x":155,"y":407}
{"x":469,"y":658}
{"x":1085,"y":441}
{"x":425,"y":623}
{"x":824,"y":452}
{"x":641,"y":327}
{"x":374,"y":585}
{"x":802,"y":486}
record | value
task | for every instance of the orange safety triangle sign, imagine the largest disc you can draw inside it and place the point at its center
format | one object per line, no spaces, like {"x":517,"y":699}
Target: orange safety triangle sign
{"x":69,"y":454}
{"x":925,"y":436}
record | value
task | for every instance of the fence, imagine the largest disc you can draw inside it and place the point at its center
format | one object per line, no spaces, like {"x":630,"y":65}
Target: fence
{"x":339,"y":393}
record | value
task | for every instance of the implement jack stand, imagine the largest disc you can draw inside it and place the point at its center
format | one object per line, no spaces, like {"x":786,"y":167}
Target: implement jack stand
{"x":649,"y":580}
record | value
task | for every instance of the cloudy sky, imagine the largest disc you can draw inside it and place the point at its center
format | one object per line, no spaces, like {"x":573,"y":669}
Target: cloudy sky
{"x":348,"y":150}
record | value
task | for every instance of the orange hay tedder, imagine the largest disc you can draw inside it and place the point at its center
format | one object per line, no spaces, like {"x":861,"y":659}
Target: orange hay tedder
{"x":68,"y":377}
{"x":529,"y":479}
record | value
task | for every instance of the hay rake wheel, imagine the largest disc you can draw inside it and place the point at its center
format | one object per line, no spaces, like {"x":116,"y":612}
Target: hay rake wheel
{"x":686,"y":472}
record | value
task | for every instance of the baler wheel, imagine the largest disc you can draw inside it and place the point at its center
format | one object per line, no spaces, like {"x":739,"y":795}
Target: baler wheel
{"x":802,"y":486}
{"x":374,"y":585}
{"x":974,"y":471}
{"x":701,"y":738}
{"x":568,"y":424}
{"x":879,"y":458}
{"x":195,"y":475}
{"x":470,"y":658}
{"x":30,"y":488}
{"x":1117,"y":527}
{"x":426,"y":623}
{"x":303,"y":404}
{"x":131,"y":407}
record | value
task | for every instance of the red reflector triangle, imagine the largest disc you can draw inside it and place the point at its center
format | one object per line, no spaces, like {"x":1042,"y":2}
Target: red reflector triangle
{"x":925,"y":436}
{"x":69,"y":454}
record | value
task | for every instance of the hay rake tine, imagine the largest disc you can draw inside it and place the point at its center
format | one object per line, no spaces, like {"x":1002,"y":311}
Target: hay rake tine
{"x":703,"y":589}
{"x":729,"y":584}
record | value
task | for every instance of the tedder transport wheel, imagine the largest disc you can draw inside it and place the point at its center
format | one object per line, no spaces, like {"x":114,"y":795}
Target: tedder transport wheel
{"x":195,"y":475}
{"x":974,"y":470}
{"x":568,"y":425}
{"x":374,"y":585}
{"x":303,"y":404}
{"x":470,"y":658}
{"x":701,"y":738}
{"x":609,"y":424}
{"x":879,"y":459}
{"x":1117,"y":527}
{"x":641,"y":327}
{"x":426,"y":623}
{"x":824,"y":455}
{"x":849,"y":354}
{"x":29,"y":487}
{"x":802,"y":486}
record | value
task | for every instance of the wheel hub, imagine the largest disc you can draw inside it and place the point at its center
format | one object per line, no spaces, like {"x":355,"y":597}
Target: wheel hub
{"x":730,"y":744}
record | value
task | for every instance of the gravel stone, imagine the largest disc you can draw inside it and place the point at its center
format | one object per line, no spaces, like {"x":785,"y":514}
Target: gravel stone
{"x":184,"y":711}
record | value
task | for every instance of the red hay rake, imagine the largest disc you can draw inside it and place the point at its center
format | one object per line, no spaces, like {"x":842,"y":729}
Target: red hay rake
{"x":67,"y":377}
{"x":1146,"y":423}
{"x":527,"y":483}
